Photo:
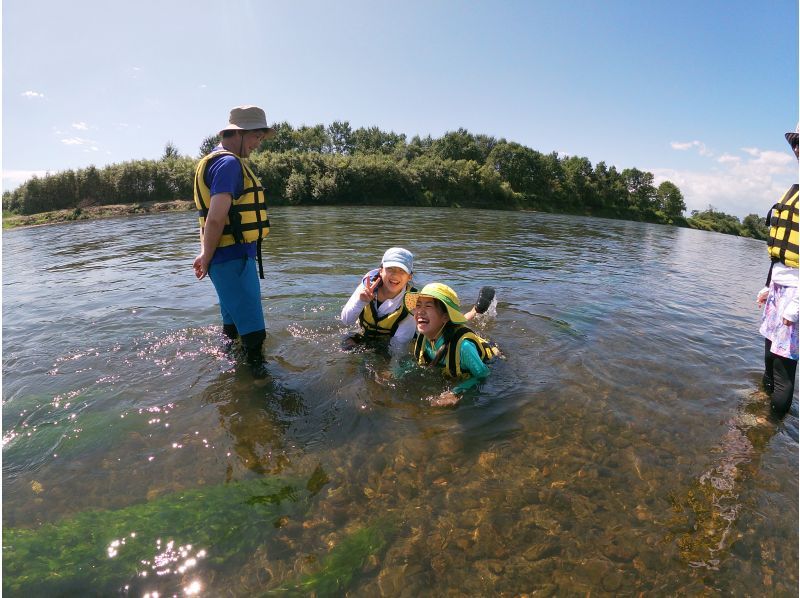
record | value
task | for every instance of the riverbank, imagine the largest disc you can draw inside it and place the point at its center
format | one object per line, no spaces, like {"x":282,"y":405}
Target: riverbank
{"x":703,"y":221}
{"x":95,"y":213}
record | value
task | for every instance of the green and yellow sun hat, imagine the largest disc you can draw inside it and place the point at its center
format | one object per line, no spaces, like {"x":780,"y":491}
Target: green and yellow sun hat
{"x":443,"y":293}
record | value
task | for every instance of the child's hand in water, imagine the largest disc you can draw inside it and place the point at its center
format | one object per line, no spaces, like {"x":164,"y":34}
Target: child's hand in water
{"x":447,"y":399}
{"x":368,"y":294}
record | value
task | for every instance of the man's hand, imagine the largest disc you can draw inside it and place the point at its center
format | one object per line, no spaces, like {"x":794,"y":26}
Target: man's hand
{"x":200,"y":266}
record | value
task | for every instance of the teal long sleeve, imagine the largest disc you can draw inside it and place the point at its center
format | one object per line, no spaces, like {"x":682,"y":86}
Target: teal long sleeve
{"x":471,"y":362}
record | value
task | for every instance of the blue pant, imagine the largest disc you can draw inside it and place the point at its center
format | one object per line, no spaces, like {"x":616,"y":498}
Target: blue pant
{"x":239,"y":292}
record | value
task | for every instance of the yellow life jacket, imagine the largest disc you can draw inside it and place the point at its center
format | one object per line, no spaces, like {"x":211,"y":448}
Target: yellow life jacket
{"x":783,"y":232}
{"x":247,"y":219}
{"x":454,"y":336}
{"x":383,"y":326}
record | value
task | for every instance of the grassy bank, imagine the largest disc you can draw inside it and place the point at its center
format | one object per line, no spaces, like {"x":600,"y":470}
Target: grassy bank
{"x":95,"y":213}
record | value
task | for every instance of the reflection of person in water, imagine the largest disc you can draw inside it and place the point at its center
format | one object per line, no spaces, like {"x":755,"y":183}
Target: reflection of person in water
{"x":444,"y":341}
{"x":257,"y":419}
{"x":705,"y":520}
{"x":780,"y":299}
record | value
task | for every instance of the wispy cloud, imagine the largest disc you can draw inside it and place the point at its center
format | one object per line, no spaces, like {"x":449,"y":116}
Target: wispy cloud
{"x":687,"y":145}
{"x":87,"y":144}
{"x":75,"y":141}
{"x":740,"y":185}
{"x":32,"y":94}
{"x":80,"y":126}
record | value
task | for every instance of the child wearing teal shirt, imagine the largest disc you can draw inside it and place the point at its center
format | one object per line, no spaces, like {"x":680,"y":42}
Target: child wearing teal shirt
{"x":444,"y":341}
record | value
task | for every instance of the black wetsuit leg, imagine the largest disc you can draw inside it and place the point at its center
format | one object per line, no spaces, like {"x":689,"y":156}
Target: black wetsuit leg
{"x":783,"y":374}
{"x":230,"y":331}
{"x":767,"y":379}
{"x":252,"y":343}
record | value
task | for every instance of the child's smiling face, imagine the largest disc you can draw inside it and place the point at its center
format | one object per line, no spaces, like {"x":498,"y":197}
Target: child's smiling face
{"x":394,"y":279}
{"x":429,"y":316}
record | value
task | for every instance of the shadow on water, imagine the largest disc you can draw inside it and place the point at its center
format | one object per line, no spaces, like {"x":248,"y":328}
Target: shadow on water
{"x":710,"y":521}
{"x":256,"y":413}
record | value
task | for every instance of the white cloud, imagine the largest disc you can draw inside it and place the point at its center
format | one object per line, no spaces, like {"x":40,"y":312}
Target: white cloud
{"x":75,"y":141}
{"x":687,"y":145}
{"x":740,"y":185}
{"x":32,"y":94}
{"x":81,"y":126}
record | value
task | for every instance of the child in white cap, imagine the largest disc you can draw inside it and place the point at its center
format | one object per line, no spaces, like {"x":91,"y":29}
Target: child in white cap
{"x":378,"y":302}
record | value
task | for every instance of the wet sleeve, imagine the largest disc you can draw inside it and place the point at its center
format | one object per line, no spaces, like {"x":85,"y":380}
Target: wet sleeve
{"x":471,"y":362}
{"x":353,"y":307}
{"x":403,"y":336}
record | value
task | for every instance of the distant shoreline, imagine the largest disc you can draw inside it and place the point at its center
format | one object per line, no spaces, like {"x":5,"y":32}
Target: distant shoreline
{"x":12,"y":221}
{"x":95,"y":213}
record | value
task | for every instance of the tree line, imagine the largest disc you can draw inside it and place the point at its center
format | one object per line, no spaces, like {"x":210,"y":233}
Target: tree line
{"x":339,"y":165}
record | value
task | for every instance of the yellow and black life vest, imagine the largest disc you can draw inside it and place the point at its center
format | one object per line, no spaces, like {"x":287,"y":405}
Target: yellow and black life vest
{"x":783,"y":229}
{"x":454,"y":336}
{"x":247,"y":218}
{"x":383,"y":326}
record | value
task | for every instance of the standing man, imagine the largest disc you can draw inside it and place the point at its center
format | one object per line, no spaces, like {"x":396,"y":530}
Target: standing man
{"x":233,"y":221}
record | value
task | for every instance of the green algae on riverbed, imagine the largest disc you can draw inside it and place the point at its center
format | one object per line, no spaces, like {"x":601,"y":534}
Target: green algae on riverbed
{"x":340,"y":566}
{"x":100,"y":552}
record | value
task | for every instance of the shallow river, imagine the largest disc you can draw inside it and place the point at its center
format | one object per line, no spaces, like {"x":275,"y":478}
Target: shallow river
{"x":622,"y":445}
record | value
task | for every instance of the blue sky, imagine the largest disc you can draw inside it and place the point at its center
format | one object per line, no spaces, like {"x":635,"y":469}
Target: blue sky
{"x":697,"y":92}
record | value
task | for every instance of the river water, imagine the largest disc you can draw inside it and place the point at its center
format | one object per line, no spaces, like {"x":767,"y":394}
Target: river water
{"x":622,"y":446}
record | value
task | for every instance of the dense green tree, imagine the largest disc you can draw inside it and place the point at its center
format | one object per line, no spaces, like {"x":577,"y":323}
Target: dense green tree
{"x":317,"y":165}
{"x":418,"y":147}
{"x":669,"y":200}
{"x":522,"y":168}
{"x":374,"y":141}
{"x":642,"y":193}
{"x":340,"y":136}
{"x":311,"y":139}
{"x":754,"y":226}
{"x":713,"y":220}
{"x":93,"y":187}
{"x":457,"y":145}
{"x":282,"y":141}
{"x":580,"y":183}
